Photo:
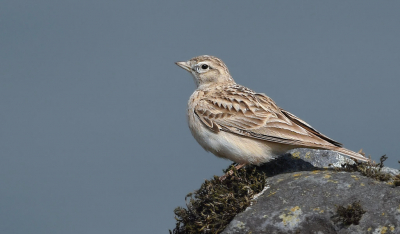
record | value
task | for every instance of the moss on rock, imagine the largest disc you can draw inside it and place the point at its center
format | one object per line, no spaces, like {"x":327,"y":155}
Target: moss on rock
{"x":372,"y":170}
{"x":351,"y":214}
{"x":212,"y":207}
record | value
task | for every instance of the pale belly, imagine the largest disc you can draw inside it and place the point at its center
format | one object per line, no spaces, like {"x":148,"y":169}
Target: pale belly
{"x":233,"y":147}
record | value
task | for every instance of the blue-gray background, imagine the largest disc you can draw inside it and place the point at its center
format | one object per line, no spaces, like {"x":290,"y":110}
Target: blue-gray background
{"x":93,"y":134}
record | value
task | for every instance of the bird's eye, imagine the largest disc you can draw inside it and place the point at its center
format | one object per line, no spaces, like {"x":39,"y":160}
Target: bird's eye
{"x":202,"y":67}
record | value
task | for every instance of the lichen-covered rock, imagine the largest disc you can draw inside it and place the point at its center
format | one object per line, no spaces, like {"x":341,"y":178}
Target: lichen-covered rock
{"x":303,"y":198}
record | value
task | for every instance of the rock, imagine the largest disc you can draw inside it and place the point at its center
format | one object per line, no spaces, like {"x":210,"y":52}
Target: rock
{"x":304,"y":194}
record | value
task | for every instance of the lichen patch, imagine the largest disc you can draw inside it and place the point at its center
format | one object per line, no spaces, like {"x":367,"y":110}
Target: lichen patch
{"x":292,"y":218}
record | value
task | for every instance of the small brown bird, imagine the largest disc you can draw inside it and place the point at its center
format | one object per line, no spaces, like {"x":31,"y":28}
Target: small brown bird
{"x":236,"y":123}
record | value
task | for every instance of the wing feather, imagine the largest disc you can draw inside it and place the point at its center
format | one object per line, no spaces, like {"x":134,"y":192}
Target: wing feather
{"x":240,"y":111}
{"x":308,"y":127}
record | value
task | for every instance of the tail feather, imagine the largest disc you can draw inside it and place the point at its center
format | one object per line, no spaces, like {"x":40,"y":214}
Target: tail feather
{"x":350,"y":153}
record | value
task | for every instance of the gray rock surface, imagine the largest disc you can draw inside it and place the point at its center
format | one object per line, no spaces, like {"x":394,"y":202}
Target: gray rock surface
{"x":303,"y":196}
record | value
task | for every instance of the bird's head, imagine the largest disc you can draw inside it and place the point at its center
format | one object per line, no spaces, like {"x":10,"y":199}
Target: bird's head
{"x":207,"y":70}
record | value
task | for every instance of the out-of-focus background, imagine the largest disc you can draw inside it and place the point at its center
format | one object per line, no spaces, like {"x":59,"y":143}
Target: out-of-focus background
{"x":93,"y":133}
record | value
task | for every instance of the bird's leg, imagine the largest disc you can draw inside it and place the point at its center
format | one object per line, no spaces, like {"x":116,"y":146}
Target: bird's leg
{"x":240,"y":166}
{"x":229,"y":173}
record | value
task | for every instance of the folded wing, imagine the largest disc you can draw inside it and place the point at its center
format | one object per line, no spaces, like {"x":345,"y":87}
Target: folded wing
{"x":256,"y":116}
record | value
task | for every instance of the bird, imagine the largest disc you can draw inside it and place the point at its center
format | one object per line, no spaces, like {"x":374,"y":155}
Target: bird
{"x":234,"y":122}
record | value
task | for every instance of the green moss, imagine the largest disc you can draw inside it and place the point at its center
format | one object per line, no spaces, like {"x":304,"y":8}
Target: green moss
{"x":396,"y":180}
{"x":369,"y":169}
{"x":351,"y":214}
{"x":217,"y":202}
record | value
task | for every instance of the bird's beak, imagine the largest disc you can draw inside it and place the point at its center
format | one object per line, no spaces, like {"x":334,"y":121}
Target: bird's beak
{"x":183,"y":65}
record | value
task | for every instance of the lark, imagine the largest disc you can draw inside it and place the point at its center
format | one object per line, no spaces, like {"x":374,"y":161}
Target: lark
{"x":236,"y":123}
